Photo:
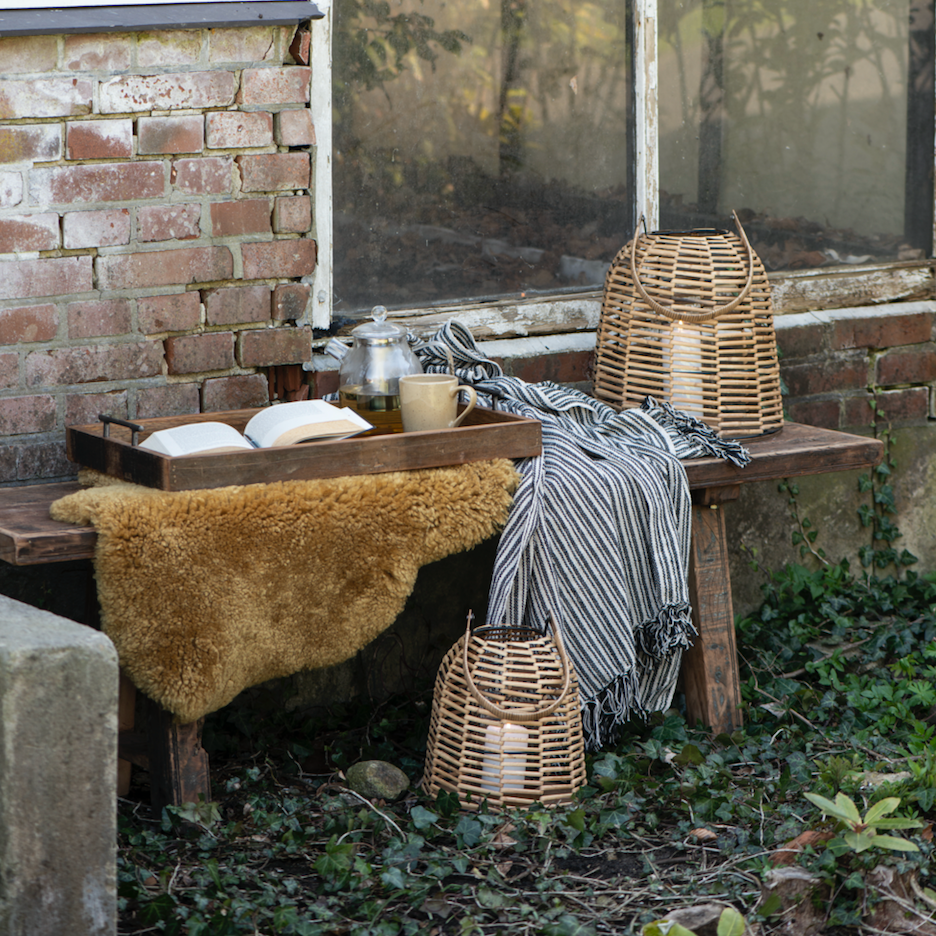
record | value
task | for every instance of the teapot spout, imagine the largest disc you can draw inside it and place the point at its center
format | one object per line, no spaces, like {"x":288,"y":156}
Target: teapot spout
{"x":336,"y":349}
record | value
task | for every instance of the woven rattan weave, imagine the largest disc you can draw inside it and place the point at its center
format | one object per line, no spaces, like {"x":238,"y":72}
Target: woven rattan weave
{"x":687,"y":319}
{"x":506,"y":723}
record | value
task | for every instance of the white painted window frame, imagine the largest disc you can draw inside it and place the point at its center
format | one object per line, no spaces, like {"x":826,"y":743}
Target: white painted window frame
{"x":544,"y":316}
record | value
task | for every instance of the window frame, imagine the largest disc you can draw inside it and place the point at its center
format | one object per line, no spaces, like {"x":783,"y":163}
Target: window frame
{"x":793,"y":291}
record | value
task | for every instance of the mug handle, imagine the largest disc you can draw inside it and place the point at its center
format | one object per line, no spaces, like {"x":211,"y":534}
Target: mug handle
{"x":472,"y":399}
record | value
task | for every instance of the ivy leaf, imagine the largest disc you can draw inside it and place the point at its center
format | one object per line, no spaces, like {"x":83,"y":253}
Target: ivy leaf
{"x":422,"y":817}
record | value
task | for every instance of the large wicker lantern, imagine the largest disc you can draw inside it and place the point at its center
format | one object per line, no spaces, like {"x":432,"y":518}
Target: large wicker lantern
{"x":506,"y":724}
{"x":687,"y":319}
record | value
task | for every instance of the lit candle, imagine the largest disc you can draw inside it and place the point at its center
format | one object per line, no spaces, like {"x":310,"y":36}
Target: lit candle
{"x":505,"y":748}
{"x":687,"y":369}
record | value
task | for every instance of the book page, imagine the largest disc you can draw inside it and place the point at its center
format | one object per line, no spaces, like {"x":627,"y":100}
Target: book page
{"x":302,"y":421}
{"x":196,"y":438}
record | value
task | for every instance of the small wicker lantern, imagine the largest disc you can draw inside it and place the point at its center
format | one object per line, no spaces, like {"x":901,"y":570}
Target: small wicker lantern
{"x":506,"y":723}
{"x":687,"y":319}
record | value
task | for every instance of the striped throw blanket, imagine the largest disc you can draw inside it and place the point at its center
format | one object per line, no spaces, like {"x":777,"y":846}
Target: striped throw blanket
{"x":598,"y":533}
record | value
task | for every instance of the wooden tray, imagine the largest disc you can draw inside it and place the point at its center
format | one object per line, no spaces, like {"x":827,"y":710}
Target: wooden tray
{"x":485,"y":434}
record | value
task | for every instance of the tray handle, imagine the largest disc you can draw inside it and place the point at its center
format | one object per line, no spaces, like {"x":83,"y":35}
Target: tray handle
{"x":133,"y":427}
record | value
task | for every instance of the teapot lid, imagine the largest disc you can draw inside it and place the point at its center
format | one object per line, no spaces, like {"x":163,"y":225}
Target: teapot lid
{"x":380,"y":329}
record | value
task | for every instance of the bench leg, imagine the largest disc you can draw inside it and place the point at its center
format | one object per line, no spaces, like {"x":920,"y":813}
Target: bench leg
{"x":126,"y":712}
{"x":177,"y":761}
{"x":710,"y":666}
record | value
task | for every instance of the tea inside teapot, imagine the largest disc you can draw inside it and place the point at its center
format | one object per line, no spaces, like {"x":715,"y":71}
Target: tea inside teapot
{"x":369,"y":375}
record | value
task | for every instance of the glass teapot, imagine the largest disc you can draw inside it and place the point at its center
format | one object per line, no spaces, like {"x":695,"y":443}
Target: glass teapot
{"x":370,"y":371}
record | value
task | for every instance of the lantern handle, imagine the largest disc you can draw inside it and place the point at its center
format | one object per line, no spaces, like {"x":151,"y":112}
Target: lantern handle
{"x":668,"y":311}
{"x":522,"y":713}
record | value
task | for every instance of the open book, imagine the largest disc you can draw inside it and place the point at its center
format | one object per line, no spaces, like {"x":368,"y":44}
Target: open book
{"x":282,"y":424}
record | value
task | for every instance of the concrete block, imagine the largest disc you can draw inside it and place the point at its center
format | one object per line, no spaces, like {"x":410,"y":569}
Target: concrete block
{"x":58,"y":772}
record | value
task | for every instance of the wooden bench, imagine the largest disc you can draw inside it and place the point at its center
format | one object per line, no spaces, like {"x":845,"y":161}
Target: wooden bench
{"x":173,"y":753}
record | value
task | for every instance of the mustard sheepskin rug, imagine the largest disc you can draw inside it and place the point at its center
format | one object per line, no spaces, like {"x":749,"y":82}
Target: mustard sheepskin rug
{"x":207,"y":592}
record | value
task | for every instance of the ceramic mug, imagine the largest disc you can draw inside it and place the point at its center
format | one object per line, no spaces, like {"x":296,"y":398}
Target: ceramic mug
{"x":430,"y":401}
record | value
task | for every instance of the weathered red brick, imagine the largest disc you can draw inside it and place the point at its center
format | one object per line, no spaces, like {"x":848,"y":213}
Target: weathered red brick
{"x":243,"y":391}
{"x":237,"y":305}
{"x":292,"y":214}
{"x":883,"y":331}
{"x":286,"y":85}
{"x":9,"y":370}
{"x":22,"y":233}
{"x":251,"y":44}
{"x":88,"y":364}
{"x":27,"y":143}
{"x":192,"y":354}
{"x":281,"y":259}
{"x":195,"y":90}
{"x":83,"y":409}
{"x":904,"y":406}
{"x":265,"y":347}
{"x":568,"y":367}
{"x":31,"y":54}
{"x":835,"y":374}
{"x":11,"y":189}
{"x":290,"y":301}
{"x":300,"y":46}
{"x":99,"y":139}
{"x":170,"y":134}
{"x":98,"y":317}
{"x":45,"y":97}
{"x":906,"y":367}
{"x":178,"y":399}
{"x":857,"y":411}
{"x":20,"y":415}
{"x":57,"y":276}
{"x":803,"y":340}
{"x":810,"y":412}
{"x":8,"y":458}
{"x":97,"y":52}
{"x":210,"y":175}
{"x":175,"y":312}
{"x":274,"y":172}
{"x":96,"y":228}
{"x":232,"y":129}
{"x":107,"y":182}
{"x":234,"y":218}
{"x":322,"y":383}
{"x":169,"y":47}
{"x":28,"y":323}
{"x":295,"y":127}
{"x":168,"y":222}
{"x":164,"y":268}
{"x":45,"y":460}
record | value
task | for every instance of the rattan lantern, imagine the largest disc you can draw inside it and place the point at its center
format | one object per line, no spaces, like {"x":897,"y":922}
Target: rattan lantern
{"x":506,"y":724}
{"x":687,"y":319}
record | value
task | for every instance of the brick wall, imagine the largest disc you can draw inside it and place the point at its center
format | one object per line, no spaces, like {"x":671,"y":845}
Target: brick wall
{"x":155,"y":228}
{"x":832,"y":363}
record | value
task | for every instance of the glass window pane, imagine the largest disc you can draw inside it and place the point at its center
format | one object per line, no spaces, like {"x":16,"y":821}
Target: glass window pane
{"x":480,"y":148}
{"x":812,"y":118}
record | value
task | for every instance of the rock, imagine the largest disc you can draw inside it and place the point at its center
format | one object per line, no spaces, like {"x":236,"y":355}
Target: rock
{"x":701,"y":919}
{"x":377,"y":780}
{"x":800,"y":894}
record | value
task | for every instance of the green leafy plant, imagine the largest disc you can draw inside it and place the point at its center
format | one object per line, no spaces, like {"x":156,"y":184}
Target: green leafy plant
{"x":859,"y":833}
{"x":730,"y":923}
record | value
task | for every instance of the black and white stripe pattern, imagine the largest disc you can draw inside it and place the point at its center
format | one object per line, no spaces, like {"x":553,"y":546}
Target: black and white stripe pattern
{"x":598,"y":533}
